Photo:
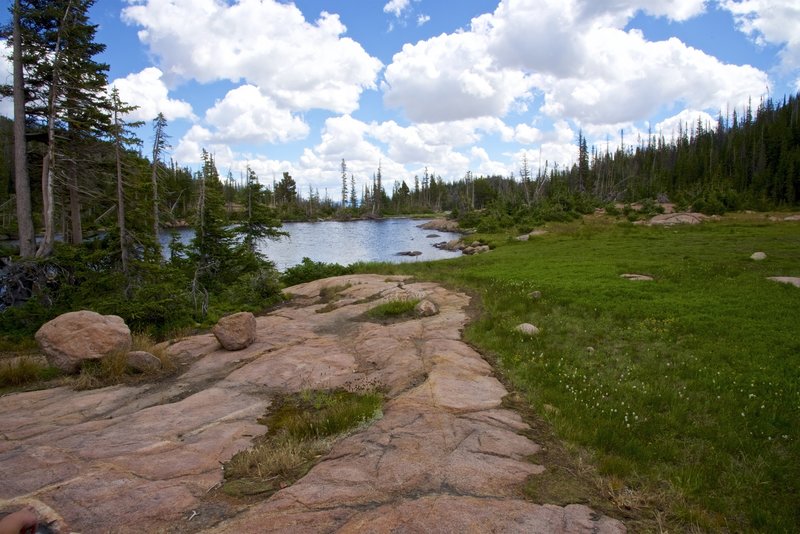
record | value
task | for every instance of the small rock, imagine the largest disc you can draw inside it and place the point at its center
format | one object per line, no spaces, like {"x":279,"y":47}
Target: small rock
{"x":535,"y":295}
{"x":71,"y":338}
{"x":426,"y":308}
{"x":476,"y":244}
{"x":409,"y":253}
{"x":523,"y":237}
{"x":793,"y":280}
{"x":589,"y":350}
{"x":236,"y":331}
{"x":637,"y":277}
{"x":527,"y":329}
{"x":432,"y":236}
{"x":143,"y":361}
{"x":758,"y":256}
{"x":537,"y":233}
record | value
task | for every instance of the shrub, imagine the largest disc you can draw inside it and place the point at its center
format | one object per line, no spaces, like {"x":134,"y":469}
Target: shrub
{"x":308,"y":271}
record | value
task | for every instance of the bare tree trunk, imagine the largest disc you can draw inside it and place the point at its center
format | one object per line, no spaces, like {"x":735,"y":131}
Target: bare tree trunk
{"x":27,"y":240}
{"x":76,"y":229}
{"x":48,"y":212}
{"x":46,"y":246}
{"x":123,"y":233}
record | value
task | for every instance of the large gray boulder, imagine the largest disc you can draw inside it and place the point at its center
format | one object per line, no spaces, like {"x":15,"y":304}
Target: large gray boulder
{"x":236,"y":331}
{"x":74,"y":337}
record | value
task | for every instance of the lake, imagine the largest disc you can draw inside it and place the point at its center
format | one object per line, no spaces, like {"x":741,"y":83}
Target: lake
{"x":346,"y":242}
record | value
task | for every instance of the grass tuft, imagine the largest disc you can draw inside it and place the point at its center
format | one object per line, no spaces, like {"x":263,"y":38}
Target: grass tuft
{"x":25,"y":371}
{"x":302,"y":427}
{"x":113,"y":369}
{"x":393,"y":309}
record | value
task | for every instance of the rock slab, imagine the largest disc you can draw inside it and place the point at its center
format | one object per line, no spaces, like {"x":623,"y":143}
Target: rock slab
{"x":74,"y":337}
{"x":237,"y":331}
{"x":445,"y":457}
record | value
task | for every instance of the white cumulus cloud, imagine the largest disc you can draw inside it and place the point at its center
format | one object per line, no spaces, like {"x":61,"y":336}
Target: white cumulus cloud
{"x":770,"y":21}
{"x":147,"y":90}
{"x":266,"y":43}
{"x":396,"y":7}
{"x":451,"y":77}
{"x":247,"y":115}
{"x":577,"y":54}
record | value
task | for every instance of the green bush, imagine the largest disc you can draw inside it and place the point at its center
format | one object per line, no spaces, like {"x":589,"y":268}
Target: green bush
{"x":308,"y":271}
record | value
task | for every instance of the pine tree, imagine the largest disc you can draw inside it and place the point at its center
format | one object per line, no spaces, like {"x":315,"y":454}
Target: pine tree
{"x":159,"y":145}
{"x":260,"y":221}
{"x":66,"y":97}
{"x":344,"y":184}
{"x":122,"y":136}
{"x":27,"y":240}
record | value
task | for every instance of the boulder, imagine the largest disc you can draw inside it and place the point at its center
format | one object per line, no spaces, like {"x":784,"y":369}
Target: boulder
{"x":527,"y":329}
{"x":73,"y":337}
{"x":143,"y":361}
{"x":476,"y":249}
{"x":409,"y":253}
{"x":432,"y":236}
{"x":236,"y":331}
{"x":792,"y":218}
{"x":668,"y":219}
{"x":758,"y":256}
{"x":453,"y":244}
{"x":426,"y":308}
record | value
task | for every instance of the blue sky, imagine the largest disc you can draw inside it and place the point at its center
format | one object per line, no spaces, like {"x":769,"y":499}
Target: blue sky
{"x":454,"y":86}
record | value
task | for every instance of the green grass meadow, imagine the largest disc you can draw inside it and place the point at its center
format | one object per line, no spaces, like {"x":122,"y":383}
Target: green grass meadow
{"x":684,"y":391}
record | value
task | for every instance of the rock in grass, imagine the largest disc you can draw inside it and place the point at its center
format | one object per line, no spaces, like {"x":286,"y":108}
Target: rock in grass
{"x":74,"y":337}
{"x":527,"y":329}
{"x":758,"y":256}
{"x":535,"y":295}
{"x":637,"y":277}
{"x":426,"y":308}
{"x":236,"y":331}
{"x":142,"y":361}
{"x":793,"y":280}
{"x":523,"y":237}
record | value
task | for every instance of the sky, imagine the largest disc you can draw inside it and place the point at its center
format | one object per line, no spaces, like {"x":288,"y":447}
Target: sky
{"x":448,"y":85}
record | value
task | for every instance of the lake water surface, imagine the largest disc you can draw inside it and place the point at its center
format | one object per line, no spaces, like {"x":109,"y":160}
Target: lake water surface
{"x":347,"y":242}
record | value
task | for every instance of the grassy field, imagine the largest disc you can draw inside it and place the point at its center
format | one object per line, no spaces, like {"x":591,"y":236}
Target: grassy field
{"x":683,"y":392}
